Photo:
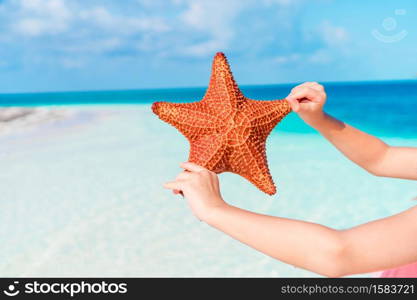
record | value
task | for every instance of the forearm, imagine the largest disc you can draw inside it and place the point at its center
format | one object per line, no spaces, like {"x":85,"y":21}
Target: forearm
{"x":363,"y":149}
{"x":381,"y":244}
{"x":307,"y":245}
{"x":374,"y":246}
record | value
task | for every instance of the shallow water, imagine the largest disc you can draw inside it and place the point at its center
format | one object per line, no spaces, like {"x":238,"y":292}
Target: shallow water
{"x":386,"y":108}
{"x":84,"y":197}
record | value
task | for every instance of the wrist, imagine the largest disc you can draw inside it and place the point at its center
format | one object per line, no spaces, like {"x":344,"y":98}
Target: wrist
{"x":214,"y":211}
{"x":315,"y":120}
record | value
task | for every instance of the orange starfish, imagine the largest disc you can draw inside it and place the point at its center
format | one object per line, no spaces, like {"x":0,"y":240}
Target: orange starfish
{"x":227,"y":131}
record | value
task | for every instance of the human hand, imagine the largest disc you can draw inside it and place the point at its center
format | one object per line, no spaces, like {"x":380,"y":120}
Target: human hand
{"x":307,"y":100}
{"x":201,"y":189}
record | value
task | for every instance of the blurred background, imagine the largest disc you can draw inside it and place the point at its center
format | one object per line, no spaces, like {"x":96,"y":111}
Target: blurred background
{"x":58,"y":45}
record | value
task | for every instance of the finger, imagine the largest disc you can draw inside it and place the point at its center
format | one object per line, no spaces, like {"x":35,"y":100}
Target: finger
{"x":173,"y":185}
{"x":295,"y":106}
{"x":298,"y":87}
{"x":183,"y":175}
{"x":303,"y":85}
{"x":316,"y":86}
{"x":178,"y":192}
{"x":309,"y":84}
{"x":306,"y":93}
{"x":192,"y":167}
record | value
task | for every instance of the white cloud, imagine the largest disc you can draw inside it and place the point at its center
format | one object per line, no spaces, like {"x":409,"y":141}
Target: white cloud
{"x":37,"y":27}
{"x":74,"y":26}
{"x":70,"y":63}
{"x":165,"y":28}
{"x":52,"y":8}
{"x":281,"y":2}
{"x":205,"y":48}
{"x":176,"y":27}
{"x":98,"y":15}
{"x":37,"y":17}
{"x":284,"y":59}
{"x":214,"y":19}
{"x":102,"y":18}
{"x":321,"y":56}
{"x":94,"y":46}
{"x":32,"y":27}
{"x":333,"y":35}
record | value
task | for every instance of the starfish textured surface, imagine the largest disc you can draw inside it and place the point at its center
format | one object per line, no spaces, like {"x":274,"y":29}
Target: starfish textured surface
{"x":227,"y":132}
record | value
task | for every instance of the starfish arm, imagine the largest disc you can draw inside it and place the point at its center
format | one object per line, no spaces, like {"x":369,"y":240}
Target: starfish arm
{"x":265,"y":115}
{"x":249,"y":161}
{"x":222,"y":87}
{"x":208,"y":151}
{"x":193,"y":120}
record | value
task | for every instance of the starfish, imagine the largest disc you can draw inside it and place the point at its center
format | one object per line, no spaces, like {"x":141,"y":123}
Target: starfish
{"x":227,"y":132}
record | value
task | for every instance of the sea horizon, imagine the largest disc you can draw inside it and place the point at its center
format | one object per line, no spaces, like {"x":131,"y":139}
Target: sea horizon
{"x":359,"y":103}
{"x":243,"y":86}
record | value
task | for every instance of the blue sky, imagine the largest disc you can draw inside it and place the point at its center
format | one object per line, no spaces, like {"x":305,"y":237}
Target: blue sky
{"x":62,"y":45}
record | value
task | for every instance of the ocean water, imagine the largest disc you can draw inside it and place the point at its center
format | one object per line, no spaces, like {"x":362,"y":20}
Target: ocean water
{"x":83,"y":196}
{"x":385,"y":107}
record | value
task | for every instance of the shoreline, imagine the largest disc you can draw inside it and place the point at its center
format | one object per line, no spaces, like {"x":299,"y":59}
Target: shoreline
{"x":19,"y":120}
{"x":22,"y":119}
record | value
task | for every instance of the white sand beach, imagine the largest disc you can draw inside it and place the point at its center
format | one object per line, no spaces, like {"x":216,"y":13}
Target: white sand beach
{"x":81,"y":195}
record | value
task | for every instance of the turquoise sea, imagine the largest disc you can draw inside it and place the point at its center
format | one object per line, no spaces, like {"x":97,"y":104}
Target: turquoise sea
{"x":83,"y":196}
{"x":386,"y":107}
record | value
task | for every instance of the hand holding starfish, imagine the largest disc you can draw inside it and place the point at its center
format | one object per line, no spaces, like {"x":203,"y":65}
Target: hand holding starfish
{"x":200,"y":188}
{"x":307,"y":100}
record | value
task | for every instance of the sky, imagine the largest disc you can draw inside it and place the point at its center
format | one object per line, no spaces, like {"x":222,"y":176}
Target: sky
{"x":68,"y":45}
